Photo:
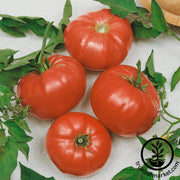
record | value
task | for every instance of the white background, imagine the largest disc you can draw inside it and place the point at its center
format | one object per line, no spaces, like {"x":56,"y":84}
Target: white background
{"x":125,"y":151}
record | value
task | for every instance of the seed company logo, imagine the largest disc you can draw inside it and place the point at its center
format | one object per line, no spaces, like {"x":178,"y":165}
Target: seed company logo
{"x":153,"y":155}
{"x":159,"y":147}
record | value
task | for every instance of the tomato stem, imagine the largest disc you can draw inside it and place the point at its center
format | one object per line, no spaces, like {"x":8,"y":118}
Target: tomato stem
{"x":83,"y":140}
{"x":80,"y":140}
{"x":136,"y":82}
{"x":41,"y":64}
{"x":164,"y":108}
{"x":139,"y":78}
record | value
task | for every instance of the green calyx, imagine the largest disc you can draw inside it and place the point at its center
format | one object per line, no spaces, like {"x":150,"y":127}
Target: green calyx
{"x":136,"y":82}
{"x":83,"y":140}
{"x":102,"y":28}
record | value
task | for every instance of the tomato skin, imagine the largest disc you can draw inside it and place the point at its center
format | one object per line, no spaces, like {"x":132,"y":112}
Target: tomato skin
{"x":55,"y":91}
{"x":61,"y":148}
{"x":121,"y":107}
{"x":95,"y":50}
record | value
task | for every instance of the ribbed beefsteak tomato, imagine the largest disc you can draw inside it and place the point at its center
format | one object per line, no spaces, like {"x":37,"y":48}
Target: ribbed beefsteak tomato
{"x":98,"y":40}
{"x":78,"y":144}
{"x":124,"y":106}
{"x":55,"y":91}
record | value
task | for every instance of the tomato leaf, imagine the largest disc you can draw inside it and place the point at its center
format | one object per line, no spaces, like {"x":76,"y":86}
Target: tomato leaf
{"x":5,"y":97}
{"x":121,"y":7}
{"x":23,"y":125}
{"x":157,"y":79}
{"x":143,"y":141}
{"x":29,"y":174}
{"x":22,"y":146}
{"x":28,"y":57}
{"x":67,"y":13}
{"x":57,"y":40}
{"x":17,"y":64}
{"x":150,"y":65}
{"x":15,"y":131}
{"x":15,"y":137}
{"x":174,"y":178}
{"x":174,"y":135}
{"x":11,"y":20}
{"x":3,"y":138}
{"x":177,"y":152}
{"x":142,"y":11}
{"x":33,"y":25}
{"x":175,"y":78}
{"x":11,"y":77}
{"x":141,"y":30}
{"x":5,"y":54}
{"x":11,"y":30}
{"x":4,"y":89}
{"x":8,"y":160}
{"x":130,"y":173}
{"x":17,"y":26}
{"x":158,"y":20}
{"x":5,"y":100}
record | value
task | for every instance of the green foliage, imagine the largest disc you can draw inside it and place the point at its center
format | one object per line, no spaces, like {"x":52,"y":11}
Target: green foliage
{"x":148,"y":26}
{"x":156,"y":78}
{"x":157,"y":17}
{"x":121,"y":7}
{"x":177,"y":152}
{"x":161,"y":149}
{"x":8,"y":159}
{"x":130,"y":173}
{"x":143,"y":141}
{"x":175,"y":135}
{"x":18,"y":26}
{"x":141,"y":30}
{"x":29,"y":174}
{"x":13,"y":126}
{"x":174,"y":178}
{"x":175,"y":78}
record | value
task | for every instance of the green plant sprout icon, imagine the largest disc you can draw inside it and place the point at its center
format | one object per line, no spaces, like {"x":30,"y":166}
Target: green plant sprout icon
{"x":157,"y":159}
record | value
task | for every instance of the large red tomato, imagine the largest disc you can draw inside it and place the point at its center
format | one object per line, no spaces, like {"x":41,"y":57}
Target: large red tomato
{"x":99,"y":39}
{"x":121,"y":104}
{"x":78,"y":144}
{"x":55,"y":91}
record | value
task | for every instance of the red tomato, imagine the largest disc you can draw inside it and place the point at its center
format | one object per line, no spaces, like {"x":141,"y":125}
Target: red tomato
{"x":120,"y":106}
{"x":78,"y":144}
{"x":99,"y":39}
{"x":55,"y":91}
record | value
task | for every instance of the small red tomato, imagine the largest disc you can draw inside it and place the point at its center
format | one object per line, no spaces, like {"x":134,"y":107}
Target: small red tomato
{"x":98,"y":40}
{"x":55,"y":91}
{"x":122,"y":105}
{"x":78,"y":144}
